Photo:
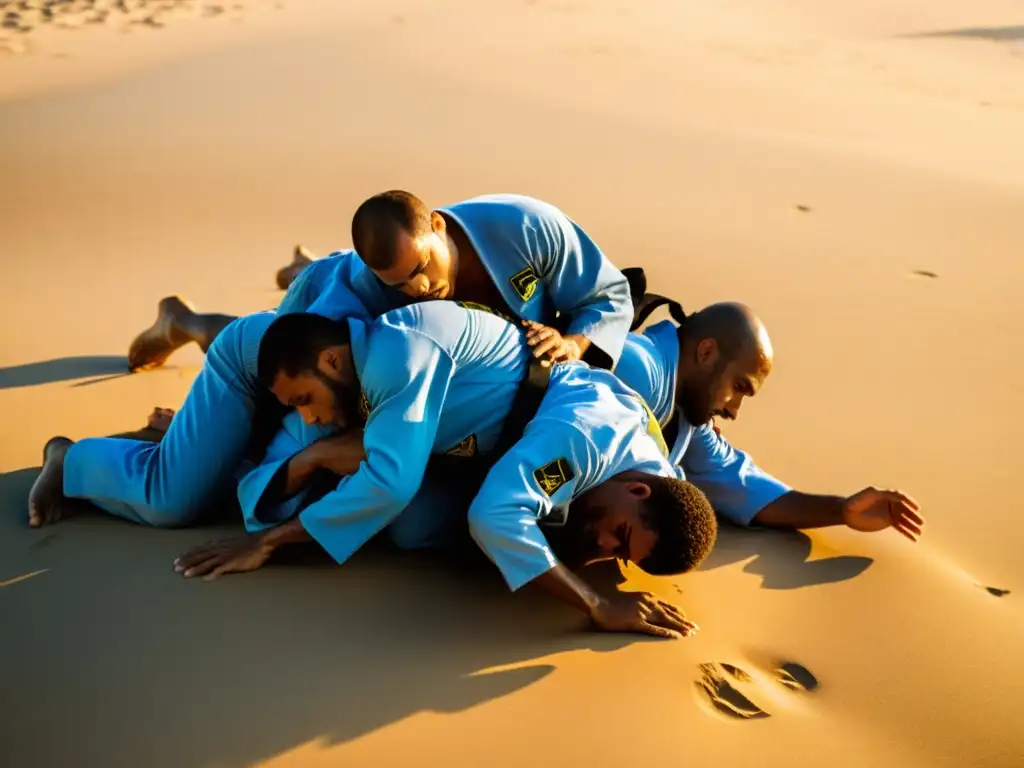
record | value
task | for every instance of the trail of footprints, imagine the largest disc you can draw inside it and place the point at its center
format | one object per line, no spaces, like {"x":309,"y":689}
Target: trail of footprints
{"x":723,"y":685}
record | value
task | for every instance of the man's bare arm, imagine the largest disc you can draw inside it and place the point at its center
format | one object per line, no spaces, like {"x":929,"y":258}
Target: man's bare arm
{"x":869,"y":510}
{"x":341,"y":455}
{"x":624,"y":612}
{"x":802,"y":510}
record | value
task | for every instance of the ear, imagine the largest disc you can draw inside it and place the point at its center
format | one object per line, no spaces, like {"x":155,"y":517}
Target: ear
{"x":329,"y":359}
{"x":437,"y":223}
{"x":707,"y":351}
{"x":639,"y":490}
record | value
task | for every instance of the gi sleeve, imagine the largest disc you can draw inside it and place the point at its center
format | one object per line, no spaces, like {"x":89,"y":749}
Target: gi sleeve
{"x":306,"y":288}
{"x":582,"y":282}
{"x":260,"y":486}
{"x":735,"y":485}
{"x":541,"y":472}
{"x":406,"y":381}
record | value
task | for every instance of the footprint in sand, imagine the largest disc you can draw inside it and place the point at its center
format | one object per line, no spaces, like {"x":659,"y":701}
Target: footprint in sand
{"x":797,"y":677}
{"x":723,"y":695}
{"x":723,"y":686}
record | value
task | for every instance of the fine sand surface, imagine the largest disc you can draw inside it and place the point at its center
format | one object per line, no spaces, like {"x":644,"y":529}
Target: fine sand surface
{"x":855,"y":171}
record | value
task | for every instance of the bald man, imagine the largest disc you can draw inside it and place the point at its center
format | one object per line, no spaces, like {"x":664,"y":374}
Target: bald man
{"x":705,"y":367}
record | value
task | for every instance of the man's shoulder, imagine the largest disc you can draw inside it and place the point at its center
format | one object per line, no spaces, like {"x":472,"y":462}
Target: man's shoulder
{"x":638,"y":362}
{"x":583,"y":393}
{"x":393,"y":346}
{"x":505,"y":206}
{"x":346,"y":258}
{"x":442,"y":322}
{"x":558,"y":457}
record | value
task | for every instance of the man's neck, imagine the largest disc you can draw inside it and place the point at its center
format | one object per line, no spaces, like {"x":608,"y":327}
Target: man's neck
{"x":472,"y":280}
{"x":467,"y":260}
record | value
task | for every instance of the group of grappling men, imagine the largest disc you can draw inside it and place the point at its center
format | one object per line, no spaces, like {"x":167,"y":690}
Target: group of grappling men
{"x":473,"y":365}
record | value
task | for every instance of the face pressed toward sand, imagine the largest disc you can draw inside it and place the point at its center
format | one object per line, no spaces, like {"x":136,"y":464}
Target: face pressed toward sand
{"x":325,"y":396}
{"x":425,"y":265}
{"x":606,"y":522}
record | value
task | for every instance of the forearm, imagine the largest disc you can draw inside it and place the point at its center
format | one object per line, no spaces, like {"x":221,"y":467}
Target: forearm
{"x":562,"y":583}
{"x":340,"y":455}
{"x":802,"y":510}
{"x":300,"y":470}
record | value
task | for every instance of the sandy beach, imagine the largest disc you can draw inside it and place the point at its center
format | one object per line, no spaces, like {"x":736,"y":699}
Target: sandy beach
{"x":854,"y":172}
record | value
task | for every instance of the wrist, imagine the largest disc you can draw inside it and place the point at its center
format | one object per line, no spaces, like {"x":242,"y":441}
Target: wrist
{"x":287,"y":533}
{"x":575,"y":347}
{"x":840,"y":512}
{"x":265,"y":542}
{"x":597,"y":605}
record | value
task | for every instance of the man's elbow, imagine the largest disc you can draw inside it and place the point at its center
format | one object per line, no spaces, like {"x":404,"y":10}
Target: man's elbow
{"x":482,"y":529}
{"x":403,"y":492}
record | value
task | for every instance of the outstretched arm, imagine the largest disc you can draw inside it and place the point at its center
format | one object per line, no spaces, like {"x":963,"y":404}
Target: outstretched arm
{"x":747,"y":495}
{"x":869,"y":510}
{"x":737,"y":488}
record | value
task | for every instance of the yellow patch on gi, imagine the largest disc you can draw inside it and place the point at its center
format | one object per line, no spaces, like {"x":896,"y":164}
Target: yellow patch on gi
{"x":553,"y":475}
{"x":524,"y":283}
{"x":466,"y":449}
{"x":654,"y":429}
{"x":482,"y":308}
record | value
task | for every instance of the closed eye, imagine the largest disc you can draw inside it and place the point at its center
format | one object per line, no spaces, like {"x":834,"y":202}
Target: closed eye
{"x":418,"y":271}
{"x":745,"y":388}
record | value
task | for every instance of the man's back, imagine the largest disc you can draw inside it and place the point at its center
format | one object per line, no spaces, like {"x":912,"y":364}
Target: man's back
{"x":597,"y":405}
{"x":589,"y":428}
{"x":486,"y":355}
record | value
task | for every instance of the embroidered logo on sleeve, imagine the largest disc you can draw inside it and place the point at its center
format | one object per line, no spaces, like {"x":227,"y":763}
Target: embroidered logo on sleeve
{"x":553,"y":476}
{"x":466,"y":449}
{"x":364,"y":406}
{"x":524,"y":283}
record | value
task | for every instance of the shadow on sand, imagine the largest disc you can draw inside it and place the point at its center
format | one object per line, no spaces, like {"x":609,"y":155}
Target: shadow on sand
{"x":94,"y":368}
{"x":780,"y":558}
{"x":110,"y":658}
{"x":996,"y":34}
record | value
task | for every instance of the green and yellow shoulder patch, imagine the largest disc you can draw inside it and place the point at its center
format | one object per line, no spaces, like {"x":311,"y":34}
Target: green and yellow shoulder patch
{"x":553,"y":475}
{"x":654,"y":429}
{"x":524,"y":283}
{"x":482,"y":308}
{"x":466,"y":449}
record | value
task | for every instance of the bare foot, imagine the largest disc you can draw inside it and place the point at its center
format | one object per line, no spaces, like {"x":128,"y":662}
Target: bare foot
{"x":153,"y":346}
{"x":301,"y":259}
{"x":46,"y":500}
{"x":160,"y":419}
